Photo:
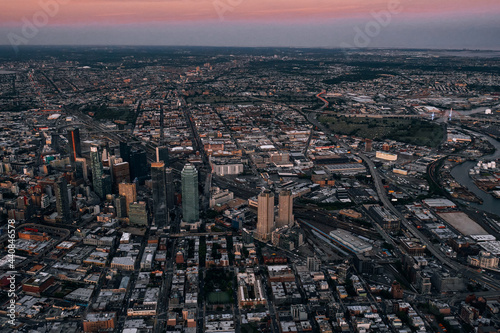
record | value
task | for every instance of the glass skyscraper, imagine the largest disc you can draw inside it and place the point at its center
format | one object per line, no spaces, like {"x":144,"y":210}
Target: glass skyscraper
{"x":100,"y":182}
{"x":190,"y":198}
{"x":169,"y":182}
{"x":62,"y":199}
{"x":159,"y":194}
{"x":74,"y":145}
{"x":162,"y":155}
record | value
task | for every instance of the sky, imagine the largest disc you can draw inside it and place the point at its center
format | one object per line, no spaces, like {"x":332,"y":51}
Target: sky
{"x":444,"y":24}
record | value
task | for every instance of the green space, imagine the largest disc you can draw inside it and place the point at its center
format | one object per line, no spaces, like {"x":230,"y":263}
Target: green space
{"x":103,"y":112}
{"x":412,"y":131}
{"x":288,"y":98}
{"x":116,"y":114}
{"x":218,"y":297}
{"x":249,"y":328}
{"x":219,"y":286}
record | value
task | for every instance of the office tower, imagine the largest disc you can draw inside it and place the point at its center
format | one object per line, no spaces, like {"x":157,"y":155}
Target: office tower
{"x":101,"y":185}
{"x":138,"y":165}
{"x":125,"y":151}
{"x":169,"y":183}
{"x":159,"y":194}
{"x":54,"y":141}
{"x":190,"y":199}
{"x":162,"y":125}
{"x":265,"y":215}
{"x":107,"y":185}
{"x":45,"y":201}
{"x":162,"y":155}
{"x":81,"y":168}
{"x":111,"y":162}
{"x":74,"y":144}
{"x":62,"y":200}
{"x":313,"y":264}
{"x":121,"y":206}
{"x":105,"y":154}
{"x":138,"y":213}
{"x":285,"y":212}
{"x":368,"y":145}
{"x":128,"y":190}
{"x":121,"y":174}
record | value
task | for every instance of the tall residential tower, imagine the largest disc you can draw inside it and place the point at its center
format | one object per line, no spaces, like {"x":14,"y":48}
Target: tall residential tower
{"x":190,"y":198}
{"x":159,"y":194}
{"x":265,"y":215}
{"x":285,"y":212}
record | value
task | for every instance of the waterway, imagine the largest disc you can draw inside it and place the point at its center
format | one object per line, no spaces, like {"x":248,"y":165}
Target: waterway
{"x":461,"y":174}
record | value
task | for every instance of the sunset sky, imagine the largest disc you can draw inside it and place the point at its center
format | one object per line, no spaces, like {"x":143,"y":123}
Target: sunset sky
{"x":301,"y":23}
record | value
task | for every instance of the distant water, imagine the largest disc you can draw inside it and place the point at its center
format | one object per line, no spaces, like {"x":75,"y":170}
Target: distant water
{"x":461,"y":175}
{"x":468,"y":54}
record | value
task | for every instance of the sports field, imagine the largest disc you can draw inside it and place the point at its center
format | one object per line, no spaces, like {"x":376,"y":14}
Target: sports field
{"x":218,"y":297}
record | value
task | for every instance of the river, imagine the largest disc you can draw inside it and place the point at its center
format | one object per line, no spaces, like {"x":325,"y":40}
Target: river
{"x":461,"y":174}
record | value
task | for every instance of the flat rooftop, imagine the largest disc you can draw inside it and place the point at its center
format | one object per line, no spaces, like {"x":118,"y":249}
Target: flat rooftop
{"x":463,"y":223}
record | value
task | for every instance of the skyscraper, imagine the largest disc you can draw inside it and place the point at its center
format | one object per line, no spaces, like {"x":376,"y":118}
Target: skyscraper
{"x":74,"y":145}
{"x":121,"y":206}
{"x":162,"y":155}
{"x":62,"y":200}
{"x":125,"y":151}
{"x":138,"y":165}
{"x":265,"y":215}
{"x":159,"y":194}
{"x":81,"y":168}
{"x":128,"y":190}
{"x":121,"y":174}
{"x":313,"y":264}
{"x":190,"y":199}
{"x":169,"y":183}
{"x":285,"y":212}
{"x":138,"y":213}
{"x":368,"y":145}
{"x":97,"y":172}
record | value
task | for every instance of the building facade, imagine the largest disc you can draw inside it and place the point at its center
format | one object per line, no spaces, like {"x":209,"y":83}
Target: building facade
{"x":265,"y":215}
{"x":190,"y":198}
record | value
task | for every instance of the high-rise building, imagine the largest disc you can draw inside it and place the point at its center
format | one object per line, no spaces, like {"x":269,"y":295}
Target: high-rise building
{"x":265,"y":215}
{"x":121,"y":206}
{"x":62,"y":200}
{"x":125,"y":151}
{"x":159,"y":194}
{"x":74,"y":145}
{"x":285,"y":212}
{"x":107,"y":185}
{"x":313,"y":264}
{"x":128,"y":190}
{"x":138,"y":165}
{"x":81,"y":168}
{"x":396,"y":290}
{"x":368,"y":145}
{"x":190,"y":198}
{"x":169,"y":183}
{"x":97,"y":171}
{"x":162,"y":155}
{"x":138,"y":213}
{"x":121,"y":174}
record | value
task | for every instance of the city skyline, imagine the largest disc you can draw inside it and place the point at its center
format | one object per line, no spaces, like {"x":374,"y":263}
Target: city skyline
{"x":263,"y":190}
